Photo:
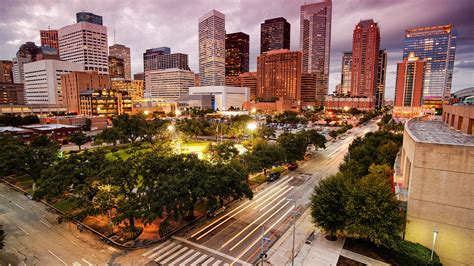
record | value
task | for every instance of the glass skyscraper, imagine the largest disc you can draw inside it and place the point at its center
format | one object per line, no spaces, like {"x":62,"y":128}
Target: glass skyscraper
{"x":436,"y":46}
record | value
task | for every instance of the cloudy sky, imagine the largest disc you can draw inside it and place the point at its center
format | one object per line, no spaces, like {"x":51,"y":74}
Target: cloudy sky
{"x":143,"y":24}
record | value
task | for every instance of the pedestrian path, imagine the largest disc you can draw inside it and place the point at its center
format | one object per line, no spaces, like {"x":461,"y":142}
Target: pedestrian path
{"x":174,"y":252}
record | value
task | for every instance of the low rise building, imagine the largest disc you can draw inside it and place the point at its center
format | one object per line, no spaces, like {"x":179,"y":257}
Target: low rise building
{"x":104,"y":103}
{"x":21,"y":134}
{"x":32,"y":109}
{"x":150,"y":105}
{"x":278,"y":106}
{"x":56,"y":132}
{"x":134,"y":88}
{"x":224,"y":97}
{"x":345,"y":103}
{"x":12,"y":93}
{"x":202,"y":102}
{"x":97,"y":122}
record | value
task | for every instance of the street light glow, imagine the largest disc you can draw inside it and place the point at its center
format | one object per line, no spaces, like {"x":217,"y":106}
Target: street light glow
{"x":346,"y":108}
{"x":170,"y":128}
{"x":178,"y":112}
{"x":252,"y":126}
{"x":254,"y":110}
{"x":146,"y":112}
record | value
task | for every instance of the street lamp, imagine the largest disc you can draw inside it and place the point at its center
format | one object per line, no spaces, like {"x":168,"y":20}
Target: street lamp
{"x":254,"y":110}
{"x":170,"y":128}
{"x":252,"y":126}
{"x":435,"y":234}
{"x":177,"y":112}
{"x":346,"y":108}
{"x":146,"y":112}
{"x":294,"y":231}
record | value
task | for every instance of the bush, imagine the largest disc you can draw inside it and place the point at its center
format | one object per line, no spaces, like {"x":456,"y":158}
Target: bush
{"x":409,"y":253}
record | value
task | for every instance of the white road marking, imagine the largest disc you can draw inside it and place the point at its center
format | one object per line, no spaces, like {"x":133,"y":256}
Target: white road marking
{"x":191,"y":258}
{"x":269,"y":198}
{"x":206,"y":262}
{"x":23,"y":263}
{"x":4,"y":197}
{"x":47,"y":225}
{"x":164,"y":249}
{"x":112,"y":249}
{"x":23,"y":230}
{"x":153,"y":249}
{"x":282,"y":194}
{"x":185,"y":255}
{"x":217,"y":263}
{"x":88,"y":263}
{"x":19,"y":206}
{"x":167,"y":253}
{"x":169,"y":258}
{"x":56,"y":257}
{"x":198,"y":260}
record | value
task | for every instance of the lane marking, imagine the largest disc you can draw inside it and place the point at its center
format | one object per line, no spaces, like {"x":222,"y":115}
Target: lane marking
{"x":217,"y":263}
{"x":88,"y":263}
{"x":23,"y":230}
{"x":210,"y":250}
{"x":165,"y":249}
{"x":282,"y":194}
{"x":259,"y":226}
{"x":19,"y":206}
{"x":199,"y":260}
{"x":243,"y":230}
{"x":185,"y":255}
{"x":258,"y":238}
{"x":164,"y":255}
{"x":47,"y":225}
{"x":169,"y":258}
{"x":269,"y":198}
{"x":206,"y":262}
{"x":56,"y":257}
{"x":153,"y":249}
{"x":191,"y":258}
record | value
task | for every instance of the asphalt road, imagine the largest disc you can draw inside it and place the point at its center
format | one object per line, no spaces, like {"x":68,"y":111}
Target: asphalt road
{"x":234,"y":237}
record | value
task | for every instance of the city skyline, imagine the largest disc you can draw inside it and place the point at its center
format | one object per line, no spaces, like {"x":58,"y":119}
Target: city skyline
{"x":182,"y":35}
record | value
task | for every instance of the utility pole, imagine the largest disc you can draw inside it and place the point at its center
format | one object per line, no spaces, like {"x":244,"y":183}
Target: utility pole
{"x":263,"y":245}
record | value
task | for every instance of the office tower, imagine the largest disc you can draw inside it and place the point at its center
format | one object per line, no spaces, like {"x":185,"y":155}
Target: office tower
{"x":85,"y":43}
{"x":134,"y":88}
{"x":315,"y":43}
{"x":437,"y":46}
{"x":43,"y":80}
{"x":78,"y":81}
{"x":162,"y":58}
{"x":123,"y":52}
{"x":197,"y":80}
{"x":168,"y":84}
{"x":381,"y":74}
{"x":274,"y":35}
{"x":409,"y":86}
{"x":47,"y":52}
{"x":139,"y":76}
{"x":6,"y":71}
{"x":212,"y":49}
{"x":88,"y":17}
{"x":12,"y":93}
{"x":236,"y":53}
{"x":309,"y":83}
{"x":49,"y":38}
{"x":279,"y":75}
{"x":26,"y":53}
{"x":96,"y":102}
{"x":116,"y":68}
{"x":346,"y":73}
{"x":224,"y":98}
{"x":247,"y":79}
{"x":365,"y":53}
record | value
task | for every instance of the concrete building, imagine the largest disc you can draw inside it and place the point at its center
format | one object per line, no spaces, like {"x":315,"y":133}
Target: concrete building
{"x":236,"y":53}
{"x":78,"y":81}
{"x":134,"y":88}
{"x":33,"y":109}
{"x":202,"y":102}
{"x":212,"y":49}
{"x":139,"y":76}
{"x":162,"y":58}
{"x":168,"y":84}
{"x":274,"y":35}
{"x":49,"y":38}
{"x":123,"y":52}
{"x":97,"y":122}
{"x":88,"y":17}
{"x":278,"y":106}
{"x":279,"y":75}
{"x":43,"y":81}
{"x":247,"y":79}
{"x":26,"y":53}
{"x":116,"y":67}
{"x":104,"y":103}
{"x":459,"y":117}
{"x":346,"y":73}
{"x":435,"y":175}
{"x":224,"y":97}
{"x":12,"y":93}
{"x":6,"y":71}
{"x":153,"y":105}
{"x":315,"y":44}
{"x":346,"y":103}
{"x":86,"y":43}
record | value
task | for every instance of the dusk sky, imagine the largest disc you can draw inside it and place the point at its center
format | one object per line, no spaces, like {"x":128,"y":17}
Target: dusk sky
{"x":142,"y":24}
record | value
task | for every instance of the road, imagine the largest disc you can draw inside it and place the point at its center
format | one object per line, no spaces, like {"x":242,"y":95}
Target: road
{"x":234,"y":238}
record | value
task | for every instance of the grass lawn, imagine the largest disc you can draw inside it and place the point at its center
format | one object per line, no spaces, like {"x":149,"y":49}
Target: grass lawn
{"x":65,"y":205}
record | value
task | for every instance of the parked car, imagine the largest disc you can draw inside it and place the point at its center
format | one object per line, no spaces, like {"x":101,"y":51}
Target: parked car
{"x":273,"y":176}
{"x":292,"y":166}
{"x":216,"y":210}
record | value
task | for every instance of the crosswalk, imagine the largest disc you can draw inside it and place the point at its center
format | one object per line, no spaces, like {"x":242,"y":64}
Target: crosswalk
{"x":173,"y":252}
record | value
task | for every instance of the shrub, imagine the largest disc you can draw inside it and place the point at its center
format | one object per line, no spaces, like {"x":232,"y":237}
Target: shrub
{"x":409,"y":253}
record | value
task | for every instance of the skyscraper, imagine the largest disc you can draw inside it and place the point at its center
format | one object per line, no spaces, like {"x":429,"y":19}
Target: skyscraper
{"x":116,"y":68}
{"x":168,"y":84}
{"x":274,"y":35}
{"x":162,"y":58}
{"x":86,"y":43}
{"x":346,"y":73}
{"x":49,"y":38}
{"x":409,"y":86}
{"x":315,"y":43}
{"x":6,"y":71}
{"x":236,"y":53}
{"x":365,"y":59}
{"x":212,"y":49}
{"x":123,"y":52}
{"x":437,"y":46}
{"x":26,"y":53}
{"x":380,"y":81}
{"x":88,"y":17}
{"x":279,"y":75}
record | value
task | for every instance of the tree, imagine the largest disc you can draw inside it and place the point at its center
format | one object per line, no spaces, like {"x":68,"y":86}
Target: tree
{"x":266,"y":132}
{"x":293,"y":145}
{"x":313,"y":137}
{"x":153,"y":129}
{"x":263,"y":155}
{"x":130,"y":126}
{"x":222,"y":153}
{"x":110,"y":136}
{"x":88,"y":124}
{"x":10,"y":154}
{"x":328,"y":204}
{"x":79,"y":138}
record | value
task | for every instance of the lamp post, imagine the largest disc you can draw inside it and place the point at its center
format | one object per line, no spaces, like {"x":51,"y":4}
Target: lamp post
{"x":263,"y":255}
{"x":294,"y":232}
{"x":435,"y":234}
{"x":252,"y":126}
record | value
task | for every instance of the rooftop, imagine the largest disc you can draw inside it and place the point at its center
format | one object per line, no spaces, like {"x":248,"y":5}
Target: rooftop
{"x":13,"y":129}
{"x":49,"y":126}
{"x":436,"y":132}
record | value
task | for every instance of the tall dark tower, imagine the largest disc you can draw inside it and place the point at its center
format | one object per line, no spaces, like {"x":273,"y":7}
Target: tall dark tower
{"x":275,"y":35}
{"x":236,"y":53}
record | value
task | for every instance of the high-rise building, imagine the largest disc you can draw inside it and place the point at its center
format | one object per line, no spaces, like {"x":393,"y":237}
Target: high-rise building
{"x":365,"y":59}
{"x":381,"y":74}
{"x":123,"y":52}
{"x":116,"y":67}
{"x":49,"y":38}
{"x":6,"y":71}
{"x":168,"y":84}
{"x":279,"y":75}
{"x":134,"y":88}
{"x":212,"y":49}
{"x":274,"y":35}
{"x":309,"y":83}
{"x":437,"y":46}
{"x":346,"y":73}
{"x":88,"y":17}
{"x":12,"y":93}
{"x":86,"y":43}
{"x":409,"y":86}
{"x":26,"y":53}
{"x":79,"y":81}
{"x":162,"y":58}
{"x":315,"y":43}
{"x":236,"y":53}
{"x":247,"y":79}
{"x":139,"y":76}
{"x":43,"y":80}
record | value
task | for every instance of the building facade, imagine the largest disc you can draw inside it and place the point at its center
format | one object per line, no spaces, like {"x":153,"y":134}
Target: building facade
{"x":89,"y":17}
{"x":315,"y":44}
{"x":6,"y":71}
{"x":212,"y":49}
{"x":344,"y":103}
{"x":26,"y":53}
{"x":49,"y":38}
{"x":123,"y":52}
{"x":224,"y":98}
{"x":409,"y":86}
{"x":154,"y":60}
{"x":116,"y":68}
{"x":12,"y":93}
{"x":380,"y":81}
{"x":247,"y":79}
{"x":309,"y":83}
{"x":236,"y":53}
{"x":346,"y":73}
{"x":85,"y":43}
{"x":168,"y":84}
{"x":78,"y":81}
{"x":279,"y":75}
{"x":134,"y":88}
{"x":437,"y":46}
{"x":43,"y":81}
{"x":104,"y":103}
{"x":274,"y":35}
